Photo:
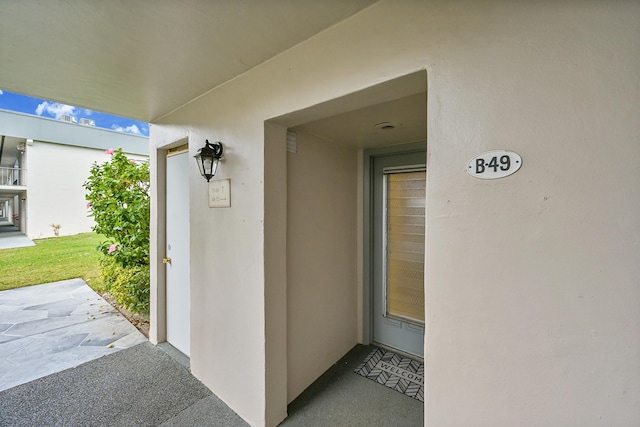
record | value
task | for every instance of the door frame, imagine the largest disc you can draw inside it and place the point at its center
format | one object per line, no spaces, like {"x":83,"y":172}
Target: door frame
{"x":158,"y":240}
{"x":181,"y":150}
{"x":368,"y":158}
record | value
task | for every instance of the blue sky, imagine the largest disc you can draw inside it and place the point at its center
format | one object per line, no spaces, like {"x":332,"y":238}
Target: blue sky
{"x":38,"y":107}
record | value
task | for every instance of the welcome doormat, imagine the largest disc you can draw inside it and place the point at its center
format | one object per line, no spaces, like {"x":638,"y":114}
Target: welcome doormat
{"x":399,"y":373}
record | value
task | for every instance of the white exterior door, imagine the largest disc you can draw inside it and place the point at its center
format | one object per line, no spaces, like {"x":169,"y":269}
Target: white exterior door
{"x":177,"y":252}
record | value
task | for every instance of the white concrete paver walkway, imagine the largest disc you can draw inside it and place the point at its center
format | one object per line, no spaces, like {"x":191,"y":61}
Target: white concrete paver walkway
{"x":52,"y":327}
{"x":14,"y":240}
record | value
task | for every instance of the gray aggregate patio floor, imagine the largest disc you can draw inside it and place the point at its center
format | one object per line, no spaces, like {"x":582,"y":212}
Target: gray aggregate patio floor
{"x":52,"y":327}
{"x":144,"y":386}
{"x":58,"y":368}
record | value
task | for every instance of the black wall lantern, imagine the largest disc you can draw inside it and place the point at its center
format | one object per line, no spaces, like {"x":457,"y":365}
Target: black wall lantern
{"x":207,"y":159}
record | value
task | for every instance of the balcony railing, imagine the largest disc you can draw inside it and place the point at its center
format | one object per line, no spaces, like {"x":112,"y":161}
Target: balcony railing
{"x":12,"y":176}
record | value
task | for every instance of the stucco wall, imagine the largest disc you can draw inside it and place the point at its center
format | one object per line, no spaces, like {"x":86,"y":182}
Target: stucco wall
{"x":55,"y":174}
{"x":55,"y":193}
{"x":321,"y":259}
{"x":227,"y":257}
{"x":532,"y":281}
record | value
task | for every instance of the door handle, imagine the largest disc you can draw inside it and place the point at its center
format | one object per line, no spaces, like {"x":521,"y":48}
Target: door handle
{"x":166,"y":260}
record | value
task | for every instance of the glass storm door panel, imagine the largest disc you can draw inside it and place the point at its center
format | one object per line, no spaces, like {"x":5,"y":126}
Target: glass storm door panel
{"x":398,"y":239}
{"x":177,"y":251}
{"x":404,"y":244}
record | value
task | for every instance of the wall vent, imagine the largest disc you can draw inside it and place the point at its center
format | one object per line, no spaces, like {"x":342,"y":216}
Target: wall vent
{"x":69,"y":119}
{"x":292,"y":142}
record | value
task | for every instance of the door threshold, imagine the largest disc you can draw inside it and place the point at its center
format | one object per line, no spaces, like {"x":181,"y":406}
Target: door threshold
{"x":398,"y":351}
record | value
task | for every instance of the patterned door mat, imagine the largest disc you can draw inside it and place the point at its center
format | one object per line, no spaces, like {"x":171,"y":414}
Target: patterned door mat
{"x":397,"y":372}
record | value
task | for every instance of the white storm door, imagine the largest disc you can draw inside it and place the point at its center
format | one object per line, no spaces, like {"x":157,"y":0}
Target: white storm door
{"x":177,"y":251}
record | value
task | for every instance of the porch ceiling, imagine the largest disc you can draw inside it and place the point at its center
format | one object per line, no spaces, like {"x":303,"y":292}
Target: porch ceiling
{"x":145,"y":58}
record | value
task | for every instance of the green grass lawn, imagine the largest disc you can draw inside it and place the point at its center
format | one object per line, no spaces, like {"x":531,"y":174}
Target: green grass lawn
{"x":51,"y":260}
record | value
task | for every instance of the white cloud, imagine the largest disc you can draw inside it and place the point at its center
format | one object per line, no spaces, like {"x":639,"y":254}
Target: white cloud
{"x":133,"y":129}
{"x":55,"y":109}
{"x":1,"y":92}
{"x":88,"y":112}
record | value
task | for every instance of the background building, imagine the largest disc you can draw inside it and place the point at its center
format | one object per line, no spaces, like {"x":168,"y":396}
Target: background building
{"x":43,"y":165}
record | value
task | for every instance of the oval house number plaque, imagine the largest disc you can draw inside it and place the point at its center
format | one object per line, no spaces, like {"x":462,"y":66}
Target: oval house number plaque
{"x":494,"y":164}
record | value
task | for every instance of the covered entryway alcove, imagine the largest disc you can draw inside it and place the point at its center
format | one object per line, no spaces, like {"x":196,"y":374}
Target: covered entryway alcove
{"x":329,"y":298}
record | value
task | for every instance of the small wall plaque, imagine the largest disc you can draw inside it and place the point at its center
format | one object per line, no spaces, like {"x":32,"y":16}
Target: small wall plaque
{"x":494,"y":164}
{"x":220,"y":193}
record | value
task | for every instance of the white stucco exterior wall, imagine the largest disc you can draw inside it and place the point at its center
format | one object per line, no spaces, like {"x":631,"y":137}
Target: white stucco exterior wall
{"x":532,"y":281}
{"x":55,"y":195}
{"x":227,"y":296}
{"x":321,"y":259}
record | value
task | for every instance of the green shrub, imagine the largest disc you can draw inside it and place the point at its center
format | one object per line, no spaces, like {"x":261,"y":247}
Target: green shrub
{"x":131,"y":288}
{"x":109,"y":270}
{"x":119,"y":201}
